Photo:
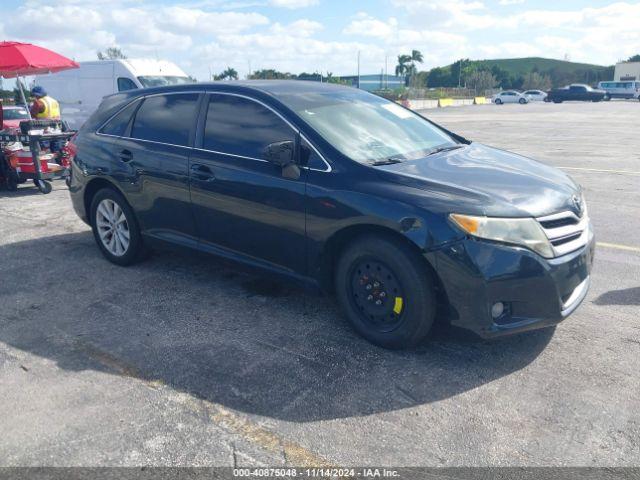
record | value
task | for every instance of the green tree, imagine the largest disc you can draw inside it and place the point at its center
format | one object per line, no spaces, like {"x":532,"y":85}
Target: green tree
{"x":404,"y":65}
{"x":439,"y":77}
{"x":480,"y":81}
{"x":111,"y":53}
{"x":270,"y":74}
{"x":635,"y":58}
{"x":536,"y":81}
{"x":228,"y":74}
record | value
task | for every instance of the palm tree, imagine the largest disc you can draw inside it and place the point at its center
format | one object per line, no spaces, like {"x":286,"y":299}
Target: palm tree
{"x":228,"y":74}
{"x":402,"y":69}
{"x":407,"y":64}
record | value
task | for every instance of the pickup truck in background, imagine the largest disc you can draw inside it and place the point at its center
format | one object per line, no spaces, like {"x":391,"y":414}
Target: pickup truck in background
{"x":575,"y":92}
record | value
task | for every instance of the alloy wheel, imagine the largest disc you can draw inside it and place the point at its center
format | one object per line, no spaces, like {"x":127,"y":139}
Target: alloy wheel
{"x":113,"y":227}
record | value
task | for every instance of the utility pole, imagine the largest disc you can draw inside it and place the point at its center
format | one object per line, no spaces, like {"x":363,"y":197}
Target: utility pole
{"x":358,"y":68}
{"x":386,"y":72}
{"x":459,"y":72}
{"x":249,"y":61}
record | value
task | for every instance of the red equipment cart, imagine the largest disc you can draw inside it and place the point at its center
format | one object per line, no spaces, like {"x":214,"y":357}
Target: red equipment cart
{"x":19,"y":163}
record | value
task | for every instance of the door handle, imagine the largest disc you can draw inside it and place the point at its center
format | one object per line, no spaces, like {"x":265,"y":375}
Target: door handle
{"x":202,"y":172}
{"x":125,"y":155}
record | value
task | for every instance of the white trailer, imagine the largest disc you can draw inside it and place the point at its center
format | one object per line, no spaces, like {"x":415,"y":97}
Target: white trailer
{"x":80,"y":91}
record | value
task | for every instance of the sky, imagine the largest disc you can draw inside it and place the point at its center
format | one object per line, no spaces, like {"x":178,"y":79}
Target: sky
{"x":204,"y":36}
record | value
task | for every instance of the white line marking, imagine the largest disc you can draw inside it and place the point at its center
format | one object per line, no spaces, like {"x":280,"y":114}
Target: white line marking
{"x":599,"y":170}
{"x":618,"y":247}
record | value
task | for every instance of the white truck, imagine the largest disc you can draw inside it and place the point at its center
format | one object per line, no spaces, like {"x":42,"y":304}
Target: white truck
{"x":80,"y":91}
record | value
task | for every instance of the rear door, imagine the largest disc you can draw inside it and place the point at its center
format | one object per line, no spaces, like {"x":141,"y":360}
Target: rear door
{"x":242,"y":204}
{"x":154,"y":164}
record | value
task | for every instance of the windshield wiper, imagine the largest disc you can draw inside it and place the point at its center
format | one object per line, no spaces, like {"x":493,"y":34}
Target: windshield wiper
{"x":386,"y":161}
{"x":443,"y":149}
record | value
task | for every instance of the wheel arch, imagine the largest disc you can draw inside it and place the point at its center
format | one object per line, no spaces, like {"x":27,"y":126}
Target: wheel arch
{"x":93,"y":187}
{"x":325,"y":264}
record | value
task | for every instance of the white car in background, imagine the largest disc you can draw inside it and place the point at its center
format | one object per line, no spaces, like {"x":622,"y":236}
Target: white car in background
{"x":509,"y":96}
{"x":535,"y":95}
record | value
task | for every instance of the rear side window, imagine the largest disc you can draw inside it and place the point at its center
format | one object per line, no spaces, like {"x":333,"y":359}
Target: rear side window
{"x":118,"y":125}
{"x":166,"y":118}
{"x":240,"y":126}
{"x":125,"y":84}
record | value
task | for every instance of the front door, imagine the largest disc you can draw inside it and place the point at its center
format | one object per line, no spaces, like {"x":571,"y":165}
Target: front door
{"x":154,"y":157}
{"x":242,"y":204}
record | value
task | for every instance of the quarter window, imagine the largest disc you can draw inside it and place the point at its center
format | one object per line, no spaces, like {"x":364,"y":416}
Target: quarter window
{"x":166,"y":118}
{"x":118,"y":125}
{"x":125,"y":84}
{"x":240,"y":126}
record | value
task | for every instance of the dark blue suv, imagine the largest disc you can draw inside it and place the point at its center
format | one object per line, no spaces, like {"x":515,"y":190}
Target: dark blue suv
{"x":405,"y":221}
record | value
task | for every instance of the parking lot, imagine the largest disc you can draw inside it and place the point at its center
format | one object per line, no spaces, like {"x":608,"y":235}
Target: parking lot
{"x":182,"y":360}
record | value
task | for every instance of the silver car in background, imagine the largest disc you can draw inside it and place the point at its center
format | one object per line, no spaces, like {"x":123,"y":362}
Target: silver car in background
{"x":509,"y":96}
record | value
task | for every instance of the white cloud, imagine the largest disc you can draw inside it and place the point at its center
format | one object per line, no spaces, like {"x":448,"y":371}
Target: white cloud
{"x":511,"y":2}
{"x":293,"y":3}
{"x":299,"y":28}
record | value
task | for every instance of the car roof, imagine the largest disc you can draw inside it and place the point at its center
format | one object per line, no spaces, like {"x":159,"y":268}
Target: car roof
{"x":14,"y":107}
{"x":275,"y":88}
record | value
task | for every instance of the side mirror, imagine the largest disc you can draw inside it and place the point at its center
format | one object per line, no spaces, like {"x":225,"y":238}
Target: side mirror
{"x":280,"y":153}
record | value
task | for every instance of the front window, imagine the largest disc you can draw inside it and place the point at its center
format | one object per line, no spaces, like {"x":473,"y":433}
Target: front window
{"x":15,"y":114}
{"x":162,"y":81}
{"x":367,"y":128}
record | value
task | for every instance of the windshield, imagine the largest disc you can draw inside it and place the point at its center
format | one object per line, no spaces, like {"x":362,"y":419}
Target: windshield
{"x":367,"y":128}
{"x":162,"y":81}
{"x":15,"y":114}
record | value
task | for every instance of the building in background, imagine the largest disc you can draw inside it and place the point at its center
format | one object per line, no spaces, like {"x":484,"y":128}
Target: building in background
{"x":375,"y":82}
{"x":627,"y":72}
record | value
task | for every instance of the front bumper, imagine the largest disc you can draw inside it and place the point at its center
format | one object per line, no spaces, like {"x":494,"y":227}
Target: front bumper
{"x":535,"y":291}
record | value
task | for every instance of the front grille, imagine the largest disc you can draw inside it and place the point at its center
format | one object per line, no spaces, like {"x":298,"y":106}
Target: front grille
{"x":566,"y":231}
{"x":558,"y":222}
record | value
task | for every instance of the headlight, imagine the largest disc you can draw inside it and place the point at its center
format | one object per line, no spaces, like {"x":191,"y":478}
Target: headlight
{"x":585,"y":212}
{"x":526,"y":232}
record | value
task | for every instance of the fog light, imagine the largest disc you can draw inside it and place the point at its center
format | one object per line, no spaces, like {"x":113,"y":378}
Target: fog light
{"x":497,"y":310}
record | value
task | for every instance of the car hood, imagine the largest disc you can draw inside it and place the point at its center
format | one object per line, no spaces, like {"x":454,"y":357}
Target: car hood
{"x":478,"y":179}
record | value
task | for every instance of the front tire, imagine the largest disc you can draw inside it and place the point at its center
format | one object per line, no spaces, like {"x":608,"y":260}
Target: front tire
{"x":497,"y":101}
{"x":522,"y":101}
{"x":115,"y":228}
{"x":386,"y":292}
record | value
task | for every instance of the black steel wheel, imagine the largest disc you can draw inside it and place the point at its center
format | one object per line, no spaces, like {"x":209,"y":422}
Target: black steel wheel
{"x":377,"y":293}
{"x":386,"y":291}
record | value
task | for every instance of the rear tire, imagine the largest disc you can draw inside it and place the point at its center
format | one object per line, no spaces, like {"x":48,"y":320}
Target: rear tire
{"x":386,"y":292}
{"x":522,"y":101}
{"x":115,"y":228}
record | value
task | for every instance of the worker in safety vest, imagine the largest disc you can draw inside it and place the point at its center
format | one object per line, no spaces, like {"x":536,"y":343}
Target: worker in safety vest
{"x":44,"y":107}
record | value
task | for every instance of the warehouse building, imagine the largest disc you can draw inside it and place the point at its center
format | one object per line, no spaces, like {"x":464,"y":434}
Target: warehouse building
{"x":375,"y":82}
{"x":627,"y":72}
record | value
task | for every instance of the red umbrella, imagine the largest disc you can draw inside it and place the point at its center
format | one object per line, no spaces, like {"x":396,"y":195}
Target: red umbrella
{"x":19,"y":59}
